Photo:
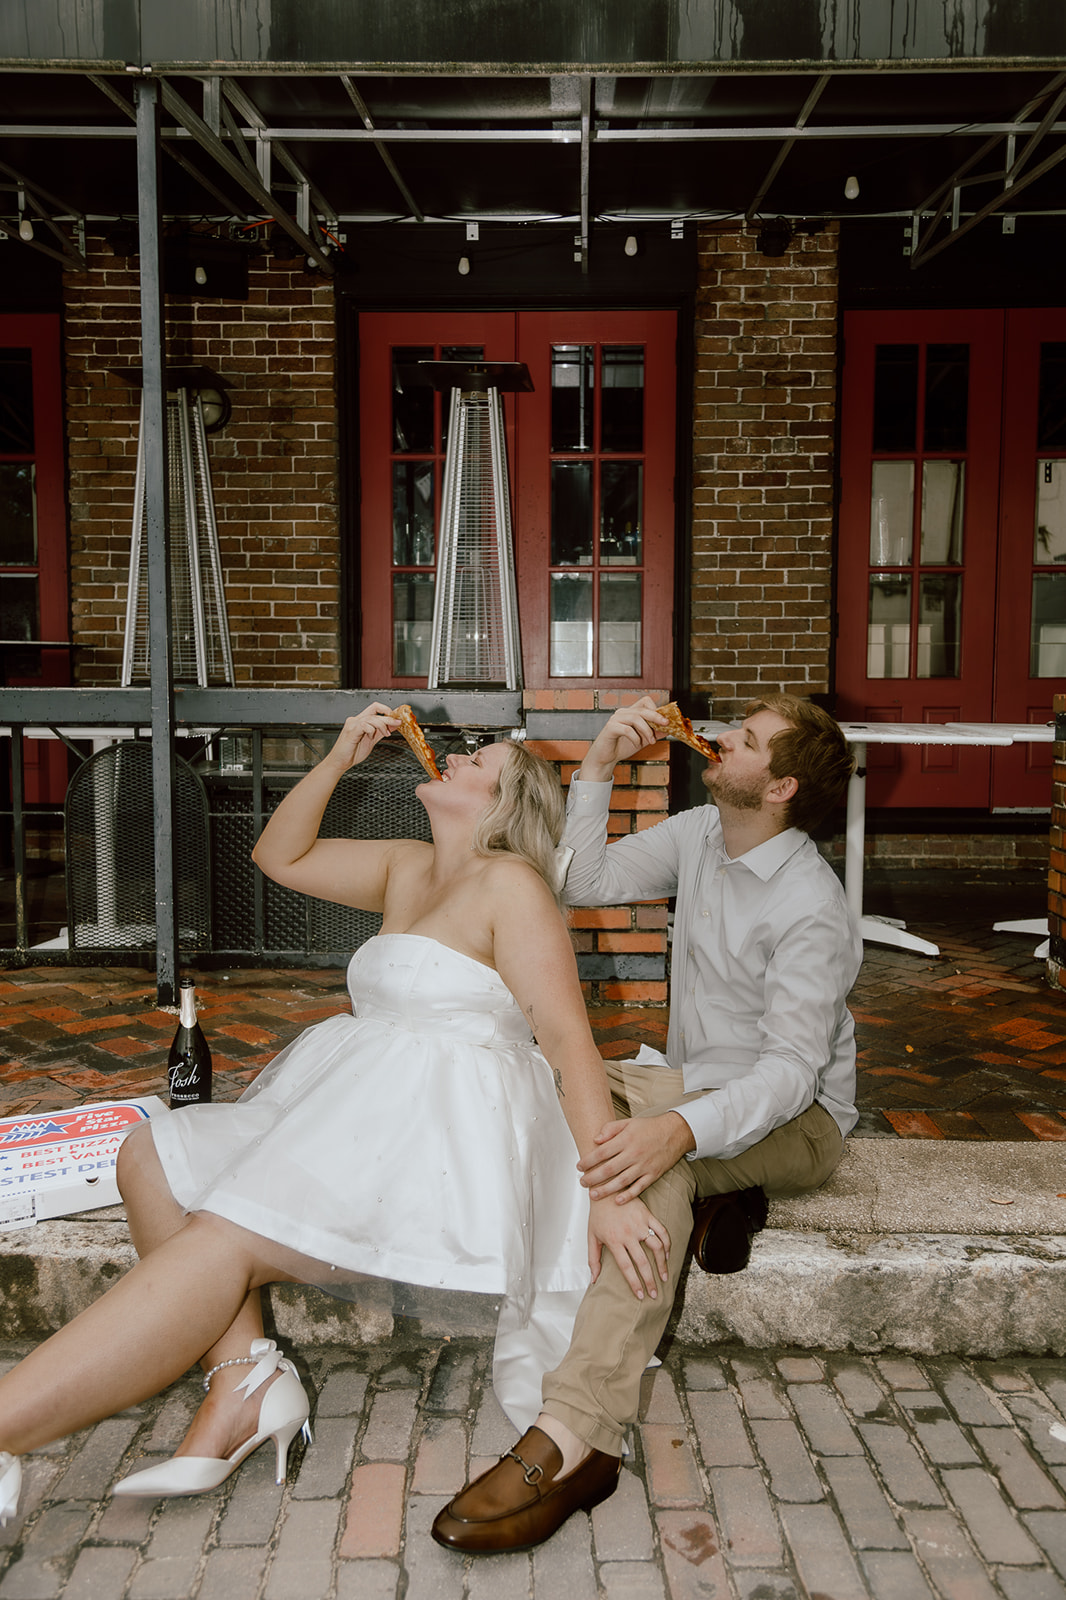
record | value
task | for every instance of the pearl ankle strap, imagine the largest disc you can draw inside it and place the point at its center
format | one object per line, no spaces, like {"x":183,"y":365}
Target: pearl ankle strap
{"x":237,"y":1361}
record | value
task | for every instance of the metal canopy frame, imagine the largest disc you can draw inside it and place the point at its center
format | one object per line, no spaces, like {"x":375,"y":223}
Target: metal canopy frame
{"x":1009,"y":176}
{"x":244,"y":143}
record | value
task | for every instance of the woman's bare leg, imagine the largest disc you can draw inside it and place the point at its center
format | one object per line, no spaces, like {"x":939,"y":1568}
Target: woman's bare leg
{"x":182,"y":1299}
{"x":223,"y":1421}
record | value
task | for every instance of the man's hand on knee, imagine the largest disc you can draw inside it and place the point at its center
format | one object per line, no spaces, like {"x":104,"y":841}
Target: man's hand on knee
{"x":633,"y":1153}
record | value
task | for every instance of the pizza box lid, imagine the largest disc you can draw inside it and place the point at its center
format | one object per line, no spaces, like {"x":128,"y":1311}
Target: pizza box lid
{"x":56,"y":1163}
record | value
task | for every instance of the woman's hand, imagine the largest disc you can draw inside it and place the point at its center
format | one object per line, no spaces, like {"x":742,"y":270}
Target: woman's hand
{"x":360,"y":734}
{"x":638,"y":1241}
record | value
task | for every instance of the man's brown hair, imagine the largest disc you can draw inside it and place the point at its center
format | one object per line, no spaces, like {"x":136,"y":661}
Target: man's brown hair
{"x":812,"y":750}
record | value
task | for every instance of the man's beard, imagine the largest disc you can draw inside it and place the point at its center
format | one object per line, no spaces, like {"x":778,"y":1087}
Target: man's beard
{"x":740,"y":794}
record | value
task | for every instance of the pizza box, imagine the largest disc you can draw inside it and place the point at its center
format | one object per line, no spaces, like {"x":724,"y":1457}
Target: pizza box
{"x":54,"y":1163}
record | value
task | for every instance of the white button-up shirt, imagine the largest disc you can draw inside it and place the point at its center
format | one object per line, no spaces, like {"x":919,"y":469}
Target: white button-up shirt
{"x":764,"y":954}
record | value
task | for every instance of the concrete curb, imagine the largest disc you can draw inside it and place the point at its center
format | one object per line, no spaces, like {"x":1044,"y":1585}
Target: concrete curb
{"x":927,"y":1247}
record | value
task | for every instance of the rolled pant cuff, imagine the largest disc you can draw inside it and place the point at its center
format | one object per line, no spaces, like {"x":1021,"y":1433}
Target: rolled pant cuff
{"x":598,"y":1435}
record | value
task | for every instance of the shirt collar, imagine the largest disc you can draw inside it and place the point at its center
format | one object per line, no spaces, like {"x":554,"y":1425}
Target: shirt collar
{"x":766,"y":858}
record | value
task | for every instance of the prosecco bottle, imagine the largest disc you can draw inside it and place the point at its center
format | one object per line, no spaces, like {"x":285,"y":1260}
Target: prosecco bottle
{"x":189,"y":1063}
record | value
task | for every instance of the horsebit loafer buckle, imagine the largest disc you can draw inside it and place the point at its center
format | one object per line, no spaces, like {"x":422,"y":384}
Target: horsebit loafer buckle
{"x":531,"y":1473}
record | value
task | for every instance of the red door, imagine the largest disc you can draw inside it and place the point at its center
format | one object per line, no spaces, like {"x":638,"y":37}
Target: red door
{"x":35,"y":607}
{"x":951,"y":608}
{"x":591,"y":457}
{"x":1031,"y":584}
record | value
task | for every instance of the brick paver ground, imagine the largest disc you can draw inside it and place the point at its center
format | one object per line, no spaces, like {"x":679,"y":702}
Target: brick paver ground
{"x":753,"y":1476}
{"x":970,"y":1044}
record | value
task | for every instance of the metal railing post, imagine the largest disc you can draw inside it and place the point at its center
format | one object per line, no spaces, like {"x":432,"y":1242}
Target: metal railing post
{"x":157,"y":534}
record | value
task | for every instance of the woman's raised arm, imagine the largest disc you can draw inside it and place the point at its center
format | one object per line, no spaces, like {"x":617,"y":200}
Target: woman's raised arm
{"x":349,"y":872}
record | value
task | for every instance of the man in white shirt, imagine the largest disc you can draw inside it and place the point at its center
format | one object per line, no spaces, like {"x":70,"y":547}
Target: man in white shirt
{"x":757,"y":1087}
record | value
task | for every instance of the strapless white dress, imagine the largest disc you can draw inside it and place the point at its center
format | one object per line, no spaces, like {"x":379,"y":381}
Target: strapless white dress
{"x":419,"y":1139}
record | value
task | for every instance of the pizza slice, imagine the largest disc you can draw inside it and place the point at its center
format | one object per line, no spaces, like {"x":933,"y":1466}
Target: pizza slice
{"x":679,"y":727}
{"x":417,"y":740}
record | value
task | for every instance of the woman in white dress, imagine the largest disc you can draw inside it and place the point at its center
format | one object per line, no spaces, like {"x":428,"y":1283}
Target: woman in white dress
{"x":421,"y":1138}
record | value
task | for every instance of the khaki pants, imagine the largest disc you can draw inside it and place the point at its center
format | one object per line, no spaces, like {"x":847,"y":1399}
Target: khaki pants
{"x":595,"y":1390}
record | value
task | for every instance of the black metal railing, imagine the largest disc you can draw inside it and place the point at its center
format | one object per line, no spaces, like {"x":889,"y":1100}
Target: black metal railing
{"x":236,"y":754}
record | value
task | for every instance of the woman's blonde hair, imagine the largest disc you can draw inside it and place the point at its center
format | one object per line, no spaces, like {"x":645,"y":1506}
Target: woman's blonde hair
{"x":526,"y":815}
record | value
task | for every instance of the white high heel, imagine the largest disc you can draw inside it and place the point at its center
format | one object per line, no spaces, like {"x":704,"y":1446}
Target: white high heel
{"x":282,"y":1415}
{"x":10,"y":1486}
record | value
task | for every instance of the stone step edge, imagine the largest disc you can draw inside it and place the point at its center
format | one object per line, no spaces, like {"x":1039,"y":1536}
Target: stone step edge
{"x":978,"y":1295}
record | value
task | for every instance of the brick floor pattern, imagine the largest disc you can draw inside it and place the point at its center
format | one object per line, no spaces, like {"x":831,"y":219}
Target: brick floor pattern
{"x":753,"y":1476}
{"x":967,"y":1045}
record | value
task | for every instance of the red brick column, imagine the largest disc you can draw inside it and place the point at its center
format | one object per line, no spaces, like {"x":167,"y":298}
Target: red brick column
{"x":763,"y":465}
{"x":274,"y":466}
{"x":621,"y":950}
{"x":1056,"y":894}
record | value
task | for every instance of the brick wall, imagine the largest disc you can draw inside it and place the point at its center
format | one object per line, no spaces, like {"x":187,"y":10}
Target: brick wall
{"x":621,"y":950}
{"x":765,"y":393}
{"x":274,"y":466}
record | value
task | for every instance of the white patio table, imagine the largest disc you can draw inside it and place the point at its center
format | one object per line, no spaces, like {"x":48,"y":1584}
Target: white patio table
{"x":889,"y":930}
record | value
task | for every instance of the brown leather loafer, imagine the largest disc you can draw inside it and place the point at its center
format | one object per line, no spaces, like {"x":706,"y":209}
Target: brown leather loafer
{"x":723,"y":1226}
{"x":520,"y":1501}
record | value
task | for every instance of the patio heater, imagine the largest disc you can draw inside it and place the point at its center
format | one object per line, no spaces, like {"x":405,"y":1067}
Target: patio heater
{"x":199,"y":626}
{"x":475,"y":642}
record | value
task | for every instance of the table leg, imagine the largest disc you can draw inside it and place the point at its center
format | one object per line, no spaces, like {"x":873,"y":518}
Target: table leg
{"x":1037,"y":925}
{"x":878,"y":930}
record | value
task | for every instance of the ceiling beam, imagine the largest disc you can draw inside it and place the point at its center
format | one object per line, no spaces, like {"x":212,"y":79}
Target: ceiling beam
{"x":681,"y":134}
{"x":382,"y":149}
{"x":40,"y":202}
{"x":111,"y":93}
{"x":948,"y":193}
{"x":247,"y":109}
{"x":176,"y":107}
{"x":782,"y":155}
{"x":585,"y":88}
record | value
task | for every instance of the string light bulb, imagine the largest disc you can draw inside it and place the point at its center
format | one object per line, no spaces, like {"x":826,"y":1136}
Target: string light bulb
{"x":464,"y":266}
{"x":25,"y":228}
{"x":851,"y":188}
{"x":201,"y":276}
{"x":631,"y":245}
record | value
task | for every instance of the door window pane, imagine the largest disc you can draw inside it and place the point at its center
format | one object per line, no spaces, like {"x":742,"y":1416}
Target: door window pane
{"x":895,"y":397}
{"x":620,"y":625}
{"x":413,"y":516}
{"x":888,"y":639}
{"x":622,"y":397}
{"x":947,"y":390}
{"x":1051,"y":423}
{"x":571,"y":513}
{"x":16,"y":402}
{"x":412,"y":623}
{"x":892,"y":513}
{"x":943,"y":486}
{"x":573,"y":370}
{"x":571,"y":625}
{"x":1050,"y":512}
{"x":18,"y":514}
{"x":412,"y":400}
{"x":621,"y":484}
{"x":939,"y":615}
{"x":1048,"y":638}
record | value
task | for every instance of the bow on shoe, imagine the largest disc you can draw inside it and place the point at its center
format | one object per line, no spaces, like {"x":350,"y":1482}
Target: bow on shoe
{"x":268,"y":1358}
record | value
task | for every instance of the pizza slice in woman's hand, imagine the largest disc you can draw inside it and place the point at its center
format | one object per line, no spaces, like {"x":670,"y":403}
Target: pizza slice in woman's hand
{"x":417,"y":740}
